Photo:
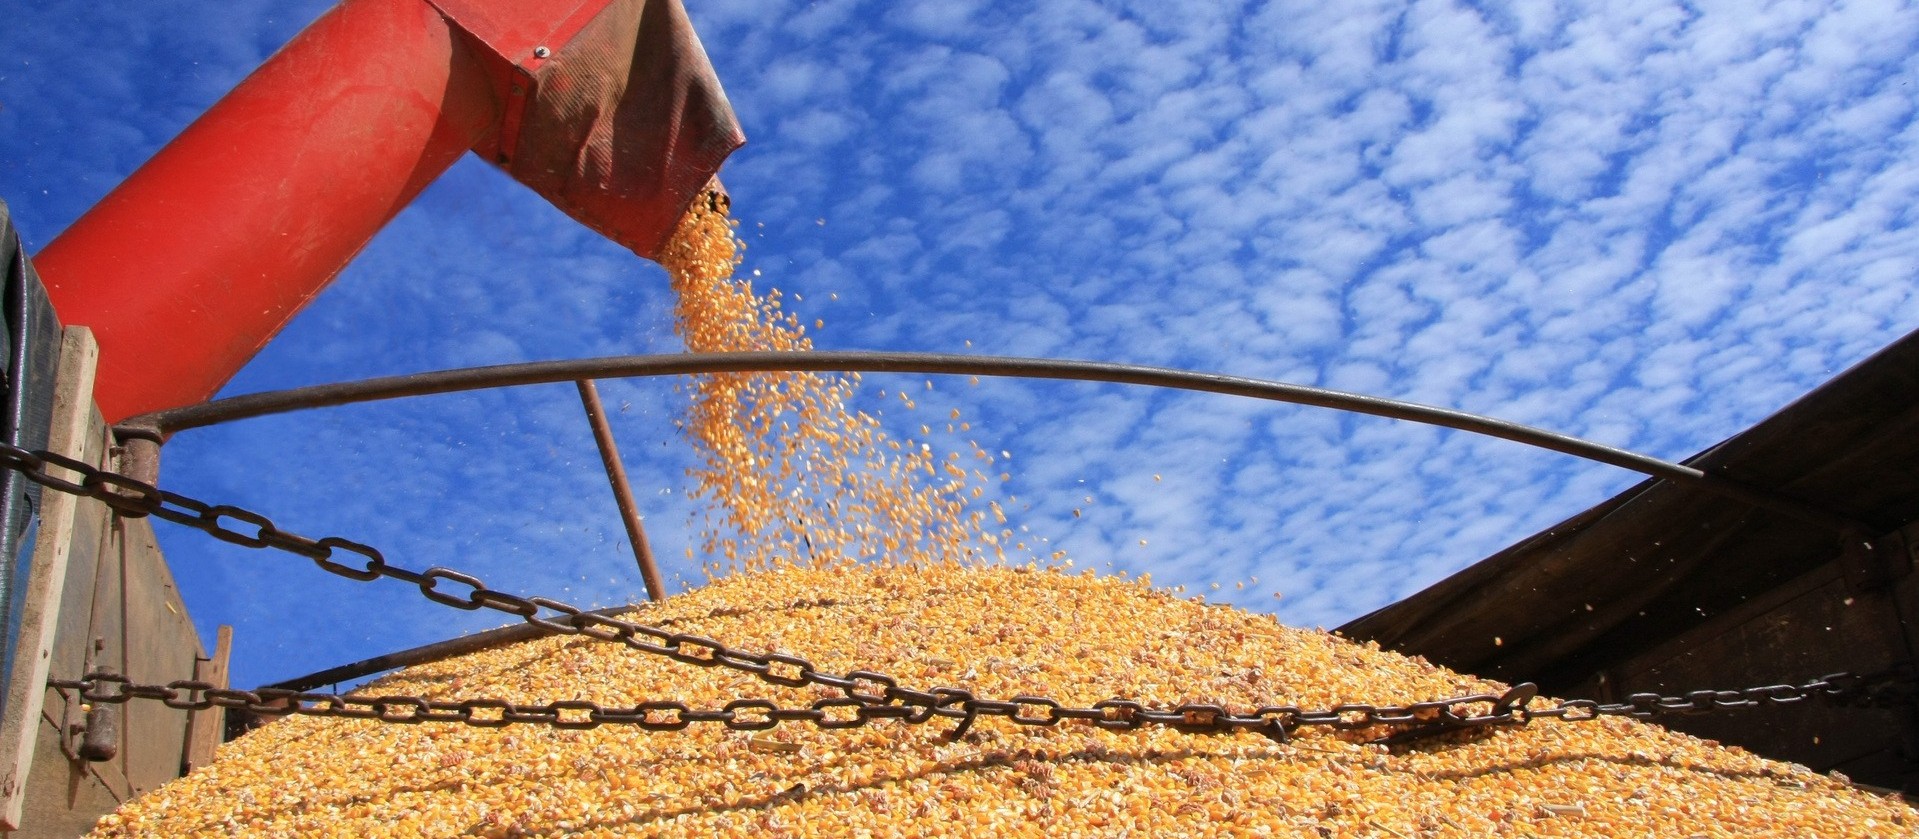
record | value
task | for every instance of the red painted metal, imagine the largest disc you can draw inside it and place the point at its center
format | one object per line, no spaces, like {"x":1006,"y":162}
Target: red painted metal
{"x":513,"y":31}
{"x":625,"y":122}
{"x":189,"y":267}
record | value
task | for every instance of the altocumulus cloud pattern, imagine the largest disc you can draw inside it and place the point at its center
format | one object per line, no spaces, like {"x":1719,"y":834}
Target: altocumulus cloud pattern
{"x":1646,"y":223}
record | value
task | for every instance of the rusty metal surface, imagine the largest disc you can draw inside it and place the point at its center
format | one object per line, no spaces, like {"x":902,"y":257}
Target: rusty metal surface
{"x":623,"y":125}
{"x":100,"y":740}
{"x":426,"y":653}
{"x":622,"y":489}
{"x":515,"y":28}
{"x":140,"y":457}
{"x":868,"y":696}
{"x":167,"y":422}
{"x":1388,"y":724}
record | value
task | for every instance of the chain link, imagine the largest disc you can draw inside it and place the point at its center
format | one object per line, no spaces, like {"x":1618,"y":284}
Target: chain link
{"x":1405,"y":723}
{"x":445,"y":586}
{"x":868,"y":696}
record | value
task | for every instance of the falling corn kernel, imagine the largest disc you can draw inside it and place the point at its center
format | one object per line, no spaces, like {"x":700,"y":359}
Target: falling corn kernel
{"x":832,"y":489}
{"x":799,"y":508}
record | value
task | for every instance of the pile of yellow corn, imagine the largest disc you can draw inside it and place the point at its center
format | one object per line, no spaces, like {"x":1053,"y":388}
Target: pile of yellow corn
{"x":1000,"y":632}
{"x":808,"y":492}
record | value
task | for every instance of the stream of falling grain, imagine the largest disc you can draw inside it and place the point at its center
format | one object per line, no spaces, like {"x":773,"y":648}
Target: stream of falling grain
{"x":797,"y":477}
{"x":790,"y":471}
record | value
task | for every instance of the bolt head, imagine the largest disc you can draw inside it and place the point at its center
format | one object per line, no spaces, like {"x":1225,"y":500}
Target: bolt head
{"x":541,"y":52}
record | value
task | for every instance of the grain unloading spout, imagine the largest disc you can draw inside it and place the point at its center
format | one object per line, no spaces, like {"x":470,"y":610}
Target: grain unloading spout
{"x":609,"y":109}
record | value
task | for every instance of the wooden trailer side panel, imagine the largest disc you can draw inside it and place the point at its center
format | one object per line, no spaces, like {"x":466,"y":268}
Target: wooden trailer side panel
{"x":1816,"y":624}
{"x":99,"y":596}
{"x":55,"y":620}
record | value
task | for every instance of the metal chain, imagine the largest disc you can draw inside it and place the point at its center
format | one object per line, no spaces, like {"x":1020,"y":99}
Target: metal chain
{"x":870,"y":695}
{"x":1416,"y":721}
{"x":136,"y":499}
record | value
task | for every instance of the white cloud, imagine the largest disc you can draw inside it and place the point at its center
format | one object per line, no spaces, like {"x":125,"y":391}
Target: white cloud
{"x":1647,"y":222}
{"x":934,"y":18}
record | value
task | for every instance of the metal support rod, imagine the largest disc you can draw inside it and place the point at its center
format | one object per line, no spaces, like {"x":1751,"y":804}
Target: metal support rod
{"x":429,"y":653}
{"x":140,"y":457}
{"x":622,"y":489}
{"x":539,"y":372}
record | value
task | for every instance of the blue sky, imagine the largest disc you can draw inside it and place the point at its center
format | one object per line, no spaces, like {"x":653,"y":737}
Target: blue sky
{"x":1646,"y":223}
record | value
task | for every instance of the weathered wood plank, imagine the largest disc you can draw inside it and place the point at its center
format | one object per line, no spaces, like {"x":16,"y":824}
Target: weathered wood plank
{"x":1811,"y":626}
{"x":73,"y":640}
{"x":159,"y":646}
{"x":20,"y":724}
{"x":107,"y":631}
{"x":65,"y":802}
{"x":206,"y":728}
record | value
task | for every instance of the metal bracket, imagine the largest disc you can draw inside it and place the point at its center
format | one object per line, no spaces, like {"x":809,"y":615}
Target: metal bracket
{"x":139,"y":453}
{"x":100,"y":738}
